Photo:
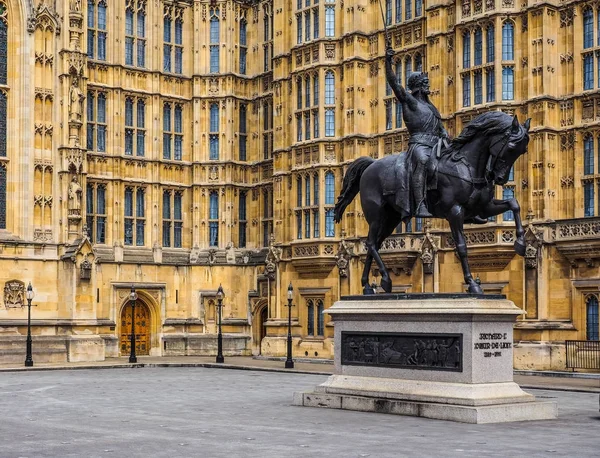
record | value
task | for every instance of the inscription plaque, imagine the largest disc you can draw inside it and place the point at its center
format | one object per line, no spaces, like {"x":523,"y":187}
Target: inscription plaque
{"x":441,"y":352}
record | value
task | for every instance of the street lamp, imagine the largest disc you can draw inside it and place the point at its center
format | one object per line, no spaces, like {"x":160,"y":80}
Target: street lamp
{"x":289,"y":362}
{"x":29,"y":295}
{"x":220,"y":295}
{"x":132,"y":297}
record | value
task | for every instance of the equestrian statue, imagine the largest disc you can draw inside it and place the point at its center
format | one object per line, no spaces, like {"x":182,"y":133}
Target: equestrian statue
{"x":437,"y":177}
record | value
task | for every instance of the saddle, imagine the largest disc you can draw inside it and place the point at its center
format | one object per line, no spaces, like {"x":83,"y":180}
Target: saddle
{"x":398,"y":178}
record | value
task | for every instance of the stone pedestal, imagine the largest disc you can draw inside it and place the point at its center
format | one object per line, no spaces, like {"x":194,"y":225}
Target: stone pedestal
{"x":445,"y":356}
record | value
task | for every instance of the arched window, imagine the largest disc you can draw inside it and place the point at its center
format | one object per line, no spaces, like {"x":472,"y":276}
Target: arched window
{"x":243,"y":46}
{"x":307,"y":92}
{"x":316,"y":91}
{"x":215,"y":38}
{"x":329,"y":100}
{"x":3,"y":54}
{"x":490,"y":54}
{"x":466,"y":50}
{"x":178,"y":138}
{"x":588,"y":71}
{"x":508,"y":44}
{"x":588,"y":199}
{"x":478,"y":45}
{"x":398,"y":11}
{"x":96,"y":30}
{"x":588,"y":28}
{"x":316,"y":189}
{"x":418,"y":63}
{"x":299,"y":191}
{"x":320,"y":318}
{"x":508,"y":83}
{"x":508,"y":193}
{"x":591,"y":322}
{"x":329,"y":20}
{"x":329,"y":88}
{"x":299,"y":93}
{"x":310,"y":322}
{"x":213,"y":218}
{"x":588,"y":155}
{"x":407,"y":70}
{"x":167,"y":223}
{"x":214,"y":131}
{"x":242,"y":220}
{"x":418,"y":8}
{"x":408,"y":9}
{"x":329,"y":188}
{"x":307,"y":189}
{"x":2,"y":196}
{"x":329,"y":200}
{"x":388,"y":12}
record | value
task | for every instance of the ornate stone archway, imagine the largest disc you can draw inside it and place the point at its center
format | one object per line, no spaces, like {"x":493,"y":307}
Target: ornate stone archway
{"x":260,"y":314}
{"x":150,"y":299}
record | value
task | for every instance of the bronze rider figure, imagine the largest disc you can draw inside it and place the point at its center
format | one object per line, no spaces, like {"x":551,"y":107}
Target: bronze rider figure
{"x":424,"y":124}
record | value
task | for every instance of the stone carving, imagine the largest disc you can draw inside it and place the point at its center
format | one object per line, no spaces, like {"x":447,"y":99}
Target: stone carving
{"x":75,"y":192}
{"x":40,"y":235}
{"x":531,"y":261}
{"x":577,"y":230}
{"x":14,"y":294}
{"x":212,"y":256}
{"x":475,"y":238}
{"x":412,"y":351}
{"x":75,"y":6}
{"x":427,"y":258}
{"x":85,"y":269}
{"x":272,"y":259}
{"x":345,"y":252}
{"x":76,"y":98}
{"x":566,"y":16}
{"x":303,"y":251}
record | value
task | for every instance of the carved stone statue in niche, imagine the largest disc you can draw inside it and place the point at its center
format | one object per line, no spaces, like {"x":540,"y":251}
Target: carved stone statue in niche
{"x":76,"y":6}
{"x":75,"y":193}
{"x":343,"y":257}
{"x":75,"y":101}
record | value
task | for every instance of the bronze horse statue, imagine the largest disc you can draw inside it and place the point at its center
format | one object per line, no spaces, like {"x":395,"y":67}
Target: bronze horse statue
{"x":480,"y":158}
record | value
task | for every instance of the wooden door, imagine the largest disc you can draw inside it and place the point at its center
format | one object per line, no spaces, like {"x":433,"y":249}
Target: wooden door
{"x":142,"y":329}
{"x":264,"y":316}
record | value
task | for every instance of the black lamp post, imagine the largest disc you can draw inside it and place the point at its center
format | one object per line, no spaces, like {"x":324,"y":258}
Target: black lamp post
{"x":29,"y":295}
{"x":220,"y":295}
{"x":132,"y":297}
{"x":289,"y":362}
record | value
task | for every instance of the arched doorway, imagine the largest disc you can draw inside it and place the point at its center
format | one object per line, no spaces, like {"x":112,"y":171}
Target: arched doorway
{"x":142,"y":329}
{"x":264,"y":316}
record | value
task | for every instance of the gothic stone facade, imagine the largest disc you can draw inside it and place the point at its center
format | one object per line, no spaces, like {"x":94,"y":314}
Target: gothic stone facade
{"x":179,"y":145}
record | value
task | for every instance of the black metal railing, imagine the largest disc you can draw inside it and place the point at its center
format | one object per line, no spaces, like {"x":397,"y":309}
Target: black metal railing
{"x":583,"y":354}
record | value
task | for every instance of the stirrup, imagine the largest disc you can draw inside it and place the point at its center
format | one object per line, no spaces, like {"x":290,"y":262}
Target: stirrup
{"x":422,"y":212}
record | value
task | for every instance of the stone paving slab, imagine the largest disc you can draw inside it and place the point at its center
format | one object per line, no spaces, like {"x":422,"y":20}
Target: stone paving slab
{"x":203,"y":412}
{"x":564,"y":381}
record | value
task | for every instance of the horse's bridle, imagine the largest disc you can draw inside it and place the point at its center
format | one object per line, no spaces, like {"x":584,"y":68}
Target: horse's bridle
{"x":494,"y":157}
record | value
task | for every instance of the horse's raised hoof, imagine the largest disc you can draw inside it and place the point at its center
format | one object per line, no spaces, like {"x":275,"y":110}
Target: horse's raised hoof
{"x":386,"y":285}
{"x":474,"y":288}
{"x":367,"y":290}
{"x":520,"y":247}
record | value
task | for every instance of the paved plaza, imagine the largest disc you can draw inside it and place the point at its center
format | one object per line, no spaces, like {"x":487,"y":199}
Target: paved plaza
{"x":207,"y":412}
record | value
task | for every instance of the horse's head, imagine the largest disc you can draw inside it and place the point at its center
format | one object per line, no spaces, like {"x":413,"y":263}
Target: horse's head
{"x":505,"y":149}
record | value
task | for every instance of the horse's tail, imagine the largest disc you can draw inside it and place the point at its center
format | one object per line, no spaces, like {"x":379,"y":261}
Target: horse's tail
{"x":351,"y":185}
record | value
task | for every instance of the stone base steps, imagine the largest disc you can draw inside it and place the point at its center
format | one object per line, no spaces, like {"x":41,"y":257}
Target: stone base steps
{"x":521,"y":411}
